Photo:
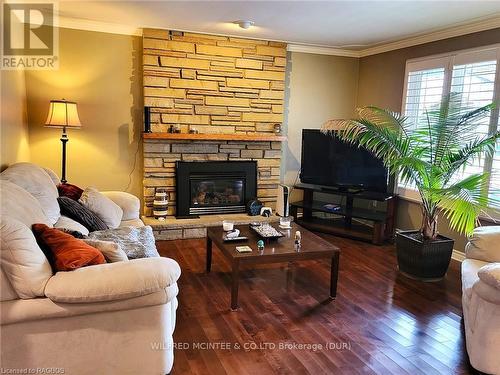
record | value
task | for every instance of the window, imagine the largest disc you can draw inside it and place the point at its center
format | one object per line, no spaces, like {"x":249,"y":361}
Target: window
{"x":474,"y":74}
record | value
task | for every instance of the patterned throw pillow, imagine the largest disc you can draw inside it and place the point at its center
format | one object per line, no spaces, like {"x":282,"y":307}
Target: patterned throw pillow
{"x":80,"y":213}
{"x":70,"y":191}
{"x":135,"y":242}
{"x":68,"y":252}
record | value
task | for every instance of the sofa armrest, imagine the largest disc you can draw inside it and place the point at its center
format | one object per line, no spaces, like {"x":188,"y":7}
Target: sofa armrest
{"x":129,"y":203}
{"x":483,"y":244}
{"x":113,"y":281}
{"x":486,"y":292}
{"x":490,"y":274}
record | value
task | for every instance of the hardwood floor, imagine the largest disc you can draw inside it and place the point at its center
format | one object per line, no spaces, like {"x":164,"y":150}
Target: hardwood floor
{"x":380,"y":323}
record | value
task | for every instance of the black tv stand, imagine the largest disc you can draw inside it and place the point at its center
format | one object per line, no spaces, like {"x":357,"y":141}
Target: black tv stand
{"x":341,"y":223}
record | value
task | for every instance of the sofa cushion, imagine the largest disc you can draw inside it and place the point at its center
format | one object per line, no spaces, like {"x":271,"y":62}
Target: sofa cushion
{"x":111,"y":251}
{"x":22,"y":260}
{"x":102,"y":206}
{"x":70,"y":191}
{"x":20,"y":205}
{"x":67,"y":223}
{"x":69,"y":253}
{"x":38,"y":183}
{"x":7,"y":292}
{"x":132,"y":223}
{"x":113,"y":281}
{"x":484,"y":244}
{"x":35,"y":309}
{"x":53,"y":176}
{"x":130,"y":204}
{"x":78,"y":212}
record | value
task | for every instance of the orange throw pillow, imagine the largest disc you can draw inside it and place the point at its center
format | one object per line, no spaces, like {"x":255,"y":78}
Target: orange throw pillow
{"x":69,"y":253}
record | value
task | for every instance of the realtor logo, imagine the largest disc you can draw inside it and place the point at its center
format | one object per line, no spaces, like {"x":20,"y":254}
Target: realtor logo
{"x":30,"y":37}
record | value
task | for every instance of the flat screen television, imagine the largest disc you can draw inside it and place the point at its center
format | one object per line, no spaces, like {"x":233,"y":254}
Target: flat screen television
{"x":326,"y":160}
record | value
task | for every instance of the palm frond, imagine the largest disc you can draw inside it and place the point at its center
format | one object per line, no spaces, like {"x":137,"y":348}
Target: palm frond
{"x":464,"y":201}
{"x":384,"y":118}
{"x":481,"y":146}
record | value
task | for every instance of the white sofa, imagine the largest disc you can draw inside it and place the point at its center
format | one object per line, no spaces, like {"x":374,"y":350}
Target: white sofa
{"x":103,"y":319}
{"x":481,"y":299}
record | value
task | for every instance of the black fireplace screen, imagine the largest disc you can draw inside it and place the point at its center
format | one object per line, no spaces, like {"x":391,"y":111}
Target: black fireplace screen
{"x":214,"y":187}
{"x":216,"y":192}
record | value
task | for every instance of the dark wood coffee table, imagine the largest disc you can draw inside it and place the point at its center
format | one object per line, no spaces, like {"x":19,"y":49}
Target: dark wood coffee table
{"x":275,"y":251}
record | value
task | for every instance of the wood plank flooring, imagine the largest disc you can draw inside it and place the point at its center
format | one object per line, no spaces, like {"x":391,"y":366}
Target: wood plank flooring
{"x":380,"y":323}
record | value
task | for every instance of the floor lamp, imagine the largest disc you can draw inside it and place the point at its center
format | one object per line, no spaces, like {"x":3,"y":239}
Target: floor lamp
{"x":63,"y":114}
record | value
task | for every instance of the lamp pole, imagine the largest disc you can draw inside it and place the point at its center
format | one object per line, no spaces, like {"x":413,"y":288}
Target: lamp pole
{"x":64,"y":140}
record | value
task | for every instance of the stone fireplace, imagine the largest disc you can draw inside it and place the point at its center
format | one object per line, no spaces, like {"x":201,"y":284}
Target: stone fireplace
{"x":225,"y":95}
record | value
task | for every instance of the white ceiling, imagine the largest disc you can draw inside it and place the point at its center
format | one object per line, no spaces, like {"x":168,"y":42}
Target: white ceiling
{"x":342,"y":24}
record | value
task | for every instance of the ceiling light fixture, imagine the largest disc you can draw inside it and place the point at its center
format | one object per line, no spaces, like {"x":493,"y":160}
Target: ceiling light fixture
{"x":244,"y":24}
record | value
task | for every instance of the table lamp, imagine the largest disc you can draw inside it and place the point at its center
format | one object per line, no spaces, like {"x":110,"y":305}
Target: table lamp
{"x":63,"y":114}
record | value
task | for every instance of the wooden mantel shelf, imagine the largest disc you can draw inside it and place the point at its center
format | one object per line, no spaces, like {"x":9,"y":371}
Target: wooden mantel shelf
{"x":216,"y":137}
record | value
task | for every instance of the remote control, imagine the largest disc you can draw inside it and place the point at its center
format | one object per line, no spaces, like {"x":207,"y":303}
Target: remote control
{"x":235,"y":239}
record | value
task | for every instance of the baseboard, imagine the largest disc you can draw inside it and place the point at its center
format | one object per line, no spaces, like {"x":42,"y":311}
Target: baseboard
{"x":459,"y":256}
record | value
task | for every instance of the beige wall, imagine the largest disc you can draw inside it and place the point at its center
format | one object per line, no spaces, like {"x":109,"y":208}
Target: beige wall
{"x":381,"y":80}
{"x":14,"y":128}
{"x":381,"y":77}
{"x":102,"y":73}
{"x":319,"y":87}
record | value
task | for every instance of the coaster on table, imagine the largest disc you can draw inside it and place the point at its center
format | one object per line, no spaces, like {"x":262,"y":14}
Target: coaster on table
{"x":243,"y":249}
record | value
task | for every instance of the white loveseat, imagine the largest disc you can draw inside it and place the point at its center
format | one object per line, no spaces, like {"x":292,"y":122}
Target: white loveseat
{"x":481,"y":299}
{"x":103,"y":319}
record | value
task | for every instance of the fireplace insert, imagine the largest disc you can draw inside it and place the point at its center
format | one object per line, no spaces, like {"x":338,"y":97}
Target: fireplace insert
{"x":214,"y":187}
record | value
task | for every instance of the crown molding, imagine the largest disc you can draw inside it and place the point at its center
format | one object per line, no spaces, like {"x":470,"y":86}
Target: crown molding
{"x":458,"y":30}
{"x":98,"y":26}
{"x":321,"y":50}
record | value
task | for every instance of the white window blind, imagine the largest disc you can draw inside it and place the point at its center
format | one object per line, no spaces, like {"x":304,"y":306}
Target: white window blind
{"x":495,"y":170}
{"x":476,"y":84}
{"x":425,"y":90}
{"x":474,"y":75}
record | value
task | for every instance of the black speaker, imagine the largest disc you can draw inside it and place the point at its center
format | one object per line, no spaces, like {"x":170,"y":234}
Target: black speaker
{"x":147,"y":119}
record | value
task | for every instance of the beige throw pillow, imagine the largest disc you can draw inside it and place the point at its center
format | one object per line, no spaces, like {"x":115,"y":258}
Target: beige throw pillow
{"x":107,"y":210}
{"x":111,"y":251}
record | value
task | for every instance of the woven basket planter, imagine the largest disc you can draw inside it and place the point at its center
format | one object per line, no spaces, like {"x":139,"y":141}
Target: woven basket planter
{"x":423,"y":260}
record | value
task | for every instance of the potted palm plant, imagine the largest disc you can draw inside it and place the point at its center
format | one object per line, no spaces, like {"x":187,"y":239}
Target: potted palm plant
{"x":430,"y":156}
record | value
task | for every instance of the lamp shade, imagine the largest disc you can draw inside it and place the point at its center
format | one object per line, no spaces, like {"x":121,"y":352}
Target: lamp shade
{"x":63,"y":114}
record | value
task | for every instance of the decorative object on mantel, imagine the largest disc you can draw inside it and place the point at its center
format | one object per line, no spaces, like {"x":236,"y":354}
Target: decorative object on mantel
{"x":160,"y":205}
{"x":63,"y":114}
{"x":147,"y":119}
{"x":277,"y":128}
{"x":193,"y":131}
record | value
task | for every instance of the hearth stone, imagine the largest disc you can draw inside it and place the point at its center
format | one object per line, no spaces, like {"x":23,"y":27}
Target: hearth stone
{"x":177,"y":229}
